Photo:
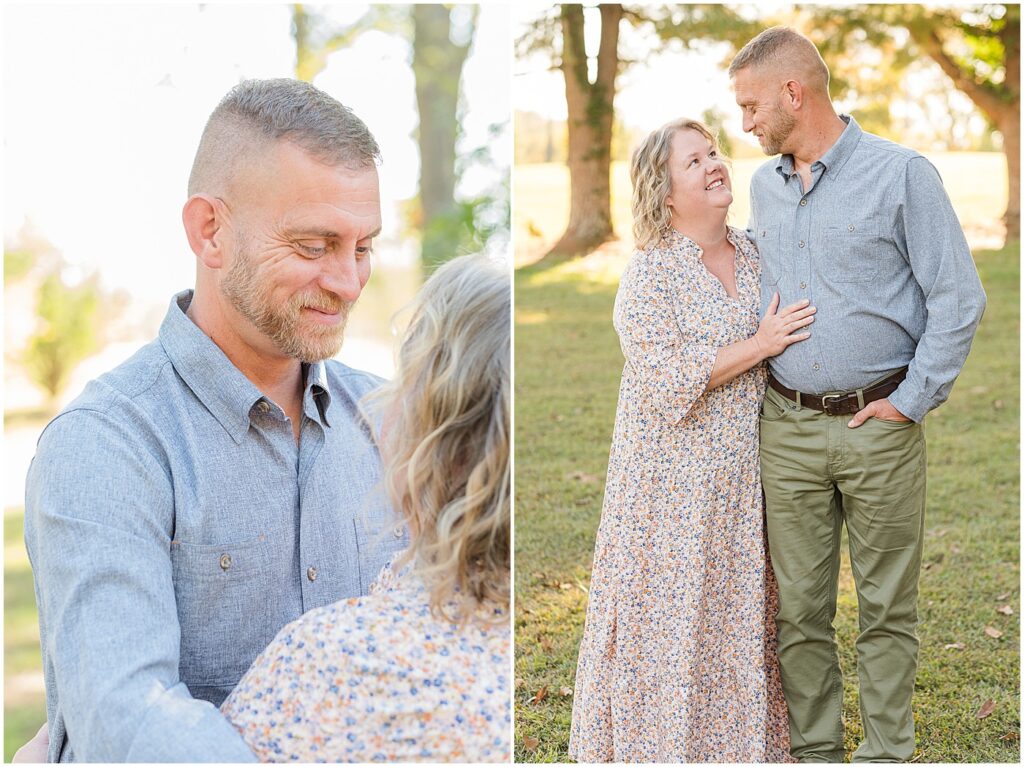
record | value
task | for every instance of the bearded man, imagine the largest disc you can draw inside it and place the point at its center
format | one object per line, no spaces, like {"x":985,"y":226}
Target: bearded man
{"x":220,"y":483}
{"x":862,"y":228}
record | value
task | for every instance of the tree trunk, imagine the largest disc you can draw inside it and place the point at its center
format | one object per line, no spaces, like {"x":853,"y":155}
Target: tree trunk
{"x":590,"y":106}
{"x":1009,"y":126}
{"x":437,"y":65}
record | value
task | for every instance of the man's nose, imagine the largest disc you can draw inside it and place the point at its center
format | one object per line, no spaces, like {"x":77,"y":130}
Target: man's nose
{"x":748,"y":123}
{"x":340,"y":275}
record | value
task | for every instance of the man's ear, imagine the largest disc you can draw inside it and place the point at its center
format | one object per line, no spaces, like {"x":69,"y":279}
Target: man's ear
{"x":204,"y":226}
{"x":793,"y":92}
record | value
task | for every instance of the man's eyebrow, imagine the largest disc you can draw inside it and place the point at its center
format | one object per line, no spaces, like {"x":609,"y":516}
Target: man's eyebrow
{"x":329,"y":233}
{"x":324,"y":233}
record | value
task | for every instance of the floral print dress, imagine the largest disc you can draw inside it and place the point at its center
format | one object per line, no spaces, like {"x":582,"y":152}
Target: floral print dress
{"x":678,"y":661}
{"x":380,"y":679}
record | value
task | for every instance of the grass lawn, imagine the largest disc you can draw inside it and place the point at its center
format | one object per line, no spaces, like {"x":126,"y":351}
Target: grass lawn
{"x":24,"y":699}
{"x":567,"y":372}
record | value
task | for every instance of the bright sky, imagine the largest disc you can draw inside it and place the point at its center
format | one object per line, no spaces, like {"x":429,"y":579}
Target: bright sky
{"x":104,"y":106}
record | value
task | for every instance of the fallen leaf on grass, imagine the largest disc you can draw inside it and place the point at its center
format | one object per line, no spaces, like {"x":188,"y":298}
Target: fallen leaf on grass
{"x":565,"y":692}
{"x":565,"y":586}
{"x":1005,"y":610}
{"x":1011,"y":736}
{"x":530,"y":744}
{"x":542,"y":693}
{"x":986,"y":709}
{"x":994,"y":633}
{"x":1001,"y":597}
{"x":955,"y":646}
{"x":998,"y":404}
{"x":582,"y":476}
{"x":545,"y":644}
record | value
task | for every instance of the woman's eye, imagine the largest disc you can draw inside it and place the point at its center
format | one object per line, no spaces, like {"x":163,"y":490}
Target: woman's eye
{"x":713,"y":154}
{"x":694,"y":161}
{"x":362,"y":251}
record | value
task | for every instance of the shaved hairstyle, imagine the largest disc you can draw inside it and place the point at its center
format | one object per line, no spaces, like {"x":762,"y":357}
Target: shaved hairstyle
{"x":257,"y":113}
{"x":787,"y":51}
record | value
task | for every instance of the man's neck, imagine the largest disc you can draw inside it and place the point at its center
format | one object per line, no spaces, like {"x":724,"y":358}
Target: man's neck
{"x":816,"y":139}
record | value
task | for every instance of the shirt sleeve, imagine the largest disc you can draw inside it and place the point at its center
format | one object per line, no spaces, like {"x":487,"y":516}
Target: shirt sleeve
{"x":930,"y":235}
{"x":98,"y":520}
{"x":672,"y":372}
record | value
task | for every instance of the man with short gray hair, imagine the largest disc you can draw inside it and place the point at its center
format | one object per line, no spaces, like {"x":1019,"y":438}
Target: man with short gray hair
{"x":862,"y":228}
{"x":220,"y":483}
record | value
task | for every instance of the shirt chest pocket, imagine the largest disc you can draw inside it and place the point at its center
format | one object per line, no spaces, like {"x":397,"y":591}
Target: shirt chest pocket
{"x":767,"y":240}
{"x":232,"y":600}
{"x":857,"y":251}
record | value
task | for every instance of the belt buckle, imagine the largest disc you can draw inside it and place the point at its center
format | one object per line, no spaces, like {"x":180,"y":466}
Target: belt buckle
{"x":825,"y":404}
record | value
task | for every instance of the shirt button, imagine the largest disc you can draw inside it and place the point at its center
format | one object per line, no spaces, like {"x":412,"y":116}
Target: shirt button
{"x":764,"y":233}
{"x":264,"y":406}
{"x":311,"y":573}
{"x":801,"y":243}
{"x":816,"y":366}
{"x":803,"y":286}
{"x":225,"y":561}
{"x":851,"y":227}
{"x":398,"y":532}
{"x":803,"y":202}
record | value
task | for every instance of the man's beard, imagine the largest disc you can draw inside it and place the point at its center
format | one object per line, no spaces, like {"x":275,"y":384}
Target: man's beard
{"x":307,"y":342}
{"x":777,"y":131}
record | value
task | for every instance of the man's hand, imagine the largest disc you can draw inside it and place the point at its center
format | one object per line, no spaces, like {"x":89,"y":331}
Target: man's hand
{"x":881,"y":409}
{"x":34,"y":752}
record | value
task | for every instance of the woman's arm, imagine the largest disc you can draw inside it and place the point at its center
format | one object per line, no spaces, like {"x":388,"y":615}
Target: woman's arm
{"x":774,"y":334}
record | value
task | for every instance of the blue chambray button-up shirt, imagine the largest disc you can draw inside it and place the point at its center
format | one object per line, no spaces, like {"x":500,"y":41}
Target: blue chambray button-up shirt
{"x":876,"y":247}
{"x":174,"y":527}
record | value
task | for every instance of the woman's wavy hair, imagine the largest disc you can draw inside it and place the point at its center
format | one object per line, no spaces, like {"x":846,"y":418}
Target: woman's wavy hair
{"x":445,"y":437}
{"x":648,"y":170}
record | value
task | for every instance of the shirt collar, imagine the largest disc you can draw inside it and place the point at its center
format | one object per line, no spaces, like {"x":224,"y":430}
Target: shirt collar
{"x":835,"y":158}
{"x":217,"y":383}
{"x":316,"y":400}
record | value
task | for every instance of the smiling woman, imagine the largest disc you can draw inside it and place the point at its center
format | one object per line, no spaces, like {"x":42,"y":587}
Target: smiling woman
{"x":677,"y":658}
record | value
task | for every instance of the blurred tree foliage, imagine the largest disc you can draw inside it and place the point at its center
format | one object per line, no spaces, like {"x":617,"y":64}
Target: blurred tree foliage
{"x":868,"y":49}
{"x":441,"y":37}
{"x":69,"y":330}
{"x":71,"y":317}
{"x":17,"y":263}
{"x":977,"y":47}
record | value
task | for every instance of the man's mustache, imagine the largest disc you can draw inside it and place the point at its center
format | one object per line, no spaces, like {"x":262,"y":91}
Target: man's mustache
{"x":323,"y":302}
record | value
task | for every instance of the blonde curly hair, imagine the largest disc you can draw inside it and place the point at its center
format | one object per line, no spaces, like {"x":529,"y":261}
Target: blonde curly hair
{"x":648,"y":170}
{"x":445,"y":438}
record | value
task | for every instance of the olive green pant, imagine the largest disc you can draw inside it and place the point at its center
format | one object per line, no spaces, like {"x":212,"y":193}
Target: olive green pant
{"x":818,"y":473}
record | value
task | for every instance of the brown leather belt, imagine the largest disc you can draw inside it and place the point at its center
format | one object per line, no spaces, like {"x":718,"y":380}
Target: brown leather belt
{"x":847,"y":403}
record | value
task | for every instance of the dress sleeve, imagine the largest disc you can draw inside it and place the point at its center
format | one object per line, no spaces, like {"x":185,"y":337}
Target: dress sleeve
{"x":670,"y":367}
